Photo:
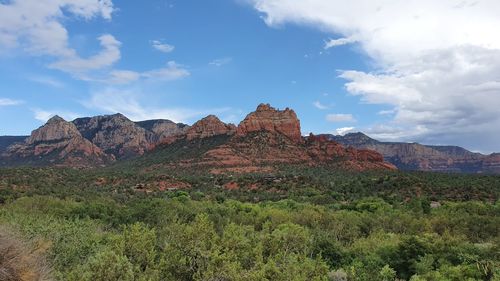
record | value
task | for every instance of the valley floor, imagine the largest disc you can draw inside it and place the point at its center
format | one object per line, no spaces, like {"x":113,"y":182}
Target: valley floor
{"x":295,"y":224}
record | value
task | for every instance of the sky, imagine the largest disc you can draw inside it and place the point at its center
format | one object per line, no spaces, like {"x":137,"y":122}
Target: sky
{"x":398,"y":70}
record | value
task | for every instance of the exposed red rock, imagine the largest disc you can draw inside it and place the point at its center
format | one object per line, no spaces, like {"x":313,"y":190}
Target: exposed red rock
{"x":267,"y":118}
{"x":208,"y":127}
{"x":58,"y":142}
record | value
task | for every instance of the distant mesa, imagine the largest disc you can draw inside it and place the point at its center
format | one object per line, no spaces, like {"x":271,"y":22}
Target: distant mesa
{"x":414,"y":156}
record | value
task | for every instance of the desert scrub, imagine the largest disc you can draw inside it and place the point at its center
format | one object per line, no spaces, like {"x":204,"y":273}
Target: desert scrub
{"x":22,"y":260}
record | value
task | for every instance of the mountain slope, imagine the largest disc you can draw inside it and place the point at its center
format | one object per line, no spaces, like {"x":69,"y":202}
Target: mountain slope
{"x":58,"y":142}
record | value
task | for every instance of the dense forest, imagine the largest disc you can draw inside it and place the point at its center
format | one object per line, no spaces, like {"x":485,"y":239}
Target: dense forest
{"x":295,"y":224}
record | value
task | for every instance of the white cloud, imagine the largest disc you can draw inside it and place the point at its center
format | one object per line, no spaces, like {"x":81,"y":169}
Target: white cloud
{"x":319,"y":105}
{"x":162,"y":47}
{"x":44,"y":115}
{"x":36,"y":27}
{"x":221,"y":61}
{"x":109,"y":54}
{"x":344,"y":130}
{"x":9,"y":102}
{"x":126,"y":101}
{"x":436,"y":62}
{"x":123,"y":76}
{"x":340,"y":117}
{"x":339,"y":42}
{"x":172,"y":71}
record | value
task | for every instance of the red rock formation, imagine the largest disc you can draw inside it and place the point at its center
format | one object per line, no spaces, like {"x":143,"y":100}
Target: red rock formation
{"x":58,"y":142}
{"x":208,"y":127}
{"x":267,"y":118}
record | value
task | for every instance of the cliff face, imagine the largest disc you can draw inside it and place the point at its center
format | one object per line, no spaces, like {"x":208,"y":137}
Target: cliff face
{"x":268,"y":137}
{"x":414,"y":156}
{"x":162,"y":129}
{"x":267,"y":118}
{"x":57,"y":142}
{"x":115,"y":134}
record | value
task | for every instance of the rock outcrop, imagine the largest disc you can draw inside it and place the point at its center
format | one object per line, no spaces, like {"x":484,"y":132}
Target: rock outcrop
{"x":208,"y":127}
{"x":115,"y":134}
{"x":269,"y":137}
{"x":163,"y":129}
{"x":57,"y":142}
{"x":267,"y":118}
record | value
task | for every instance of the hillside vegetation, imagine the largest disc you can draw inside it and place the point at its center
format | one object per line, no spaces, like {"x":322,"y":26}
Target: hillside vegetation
{"x":296,"y":224}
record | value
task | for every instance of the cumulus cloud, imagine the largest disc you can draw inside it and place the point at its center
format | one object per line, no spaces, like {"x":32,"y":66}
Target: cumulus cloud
{"x":340,"y":117}
{"x":162,"y":47}
{"x":9,"y":102}
{"x":36,"y":28}
{"x":109,"y":54}
{"x":436,"y":62}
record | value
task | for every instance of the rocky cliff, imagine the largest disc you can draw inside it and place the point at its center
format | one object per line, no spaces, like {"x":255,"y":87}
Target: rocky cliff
{"x":163,"y":129}
{"x":58,"y":142}
{"x":115,"y":134}
{"x":267,"y":118}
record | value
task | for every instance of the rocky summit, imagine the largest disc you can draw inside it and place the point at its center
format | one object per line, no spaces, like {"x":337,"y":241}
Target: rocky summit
{"x":208,"y":127}
{"x":58,"y":142}
{"x":267,"y":118}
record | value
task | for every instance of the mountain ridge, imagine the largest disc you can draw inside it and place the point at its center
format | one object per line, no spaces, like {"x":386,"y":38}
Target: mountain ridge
{"x":415,"y":156}
{"x":266,"y":137}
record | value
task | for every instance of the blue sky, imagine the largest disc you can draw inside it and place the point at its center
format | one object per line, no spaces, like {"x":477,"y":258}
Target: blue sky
{"x":182,"y":60}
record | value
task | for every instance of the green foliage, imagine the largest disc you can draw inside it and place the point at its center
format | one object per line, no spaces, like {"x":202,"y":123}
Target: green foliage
{"x":299,"y":224}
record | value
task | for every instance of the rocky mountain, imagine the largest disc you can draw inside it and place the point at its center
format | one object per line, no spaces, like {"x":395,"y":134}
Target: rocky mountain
{"x":208,"y":127}
{"x":264,"y":139}
{"x":266,"y":118}
{"x":58,"y":142}
{"x":163,"y":129}
{"x":414,"y":156}
{"x":115,"y":134}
